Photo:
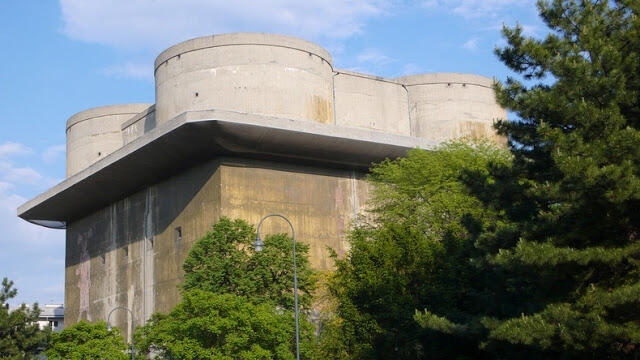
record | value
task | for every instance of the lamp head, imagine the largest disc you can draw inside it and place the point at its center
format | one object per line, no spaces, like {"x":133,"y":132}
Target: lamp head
{"x":258,"y":244}
{"x":109,"y":328}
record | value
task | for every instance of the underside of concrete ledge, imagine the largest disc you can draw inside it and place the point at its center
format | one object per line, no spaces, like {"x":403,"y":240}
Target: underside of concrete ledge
{"x":194,"y":137}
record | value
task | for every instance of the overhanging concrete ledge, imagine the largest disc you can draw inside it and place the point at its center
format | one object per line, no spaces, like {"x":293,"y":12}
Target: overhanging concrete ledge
{"x":194,"y":137}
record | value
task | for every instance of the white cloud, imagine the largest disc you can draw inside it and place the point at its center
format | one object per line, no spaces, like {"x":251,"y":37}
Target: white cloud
{"x":431,"y":4}
{"x":53,"y":153}
{"x":11,"y":148}
{"x":527,"y":29}
{"x":9,"y":201}
{"x":411,"y":69}
{"x":530,"y":30}
{"x":476,"y":8}
{"x":21,"y":175}
{"x":471,"y":44}
{"x":374,"y":57}
{"x":13,"y":174}
{"x":131,"y":70}
{"x":16,"y":174}
{"x":154,"y":24}
{"x":25,"y":245}
{"x":56,"y":289}
{"x":5,"y":186}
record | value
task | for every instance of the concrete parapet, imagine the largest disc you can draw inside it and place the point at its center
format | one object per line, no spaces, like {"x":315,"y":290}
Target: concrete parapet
{"x":285,"y":77}
{"x":371,"y":102}
{"x":255,"y":73}
{"x":138,"y":125}
{"x":94,"y":133}
{"x":445,"y":106}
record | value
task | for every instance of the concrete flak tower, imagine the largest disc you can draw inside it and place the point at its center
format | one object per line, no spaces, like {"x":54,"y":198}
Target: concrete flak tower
{"x":95,"y":133}
{"x":243,"y":125}
{"x":262,"y":74}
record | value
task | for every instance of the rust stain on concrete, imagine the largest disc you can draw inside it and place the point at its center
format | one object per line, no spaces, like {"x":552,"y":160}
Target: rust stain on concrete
{"x":320,"y":110}
{"x":83,"y":272}
{"x":319,"y":202}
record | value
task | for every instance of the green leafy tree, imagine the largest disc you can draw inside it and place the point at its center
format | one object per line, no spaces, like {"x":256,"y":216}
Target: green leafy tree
{"x":237,"y":303}
{"x":224,"y":262}
{"x":86,"y":341}
{"x":568,"y":248}
{"x":208,"y":325}
{"x":20,"y":335}
{"x":413,"y":255}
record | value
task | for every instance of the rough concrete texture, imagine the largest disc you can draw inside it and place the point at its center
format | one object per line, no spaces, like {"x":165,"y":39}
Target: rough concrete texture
{"x":129,"y":253}
{"x":447,"y":106}
{"x":94,"y":133}
{"x":369,"y":102}
{"x":139,"y":125}
{"x":289,"y":78}
{"x":254,"y":73}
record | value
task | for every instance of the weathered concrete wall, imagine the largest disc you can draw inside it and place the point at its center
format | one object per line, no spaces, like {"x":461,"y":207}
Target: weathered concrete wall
{"x":370,"y":102}
{"x":94,"y":133}
{"x":446,"y":106}
{"x":138,"y":125}
{"x":130,"y":254}
{"x":290,"y":78}
{"x":262,"y":74}
{"x":320,"y":203}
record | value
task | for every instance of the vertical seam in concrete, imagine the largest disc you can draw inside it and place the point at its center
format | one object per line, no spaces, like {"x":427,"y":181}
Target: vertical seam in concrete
{"x":408,"y":110}
{"x":354,"y":195}
{"x":148,"y":266}
{"x":333,"y":89}
{"x":145,"y":230}
{"x":113,"y":258}
{"x":144,"y":255}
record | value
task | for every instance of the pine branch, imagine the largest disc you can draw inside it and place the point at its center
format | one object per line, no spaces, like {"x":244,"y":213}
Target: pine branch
{"x":545,"y":254}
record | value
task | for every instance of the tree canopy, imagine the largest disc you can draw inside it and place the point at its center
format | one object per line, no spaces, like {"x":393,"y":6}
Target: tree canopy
{"x":237,"y":303}
{"x":536,"y":256}
{"x":224,"y":262}
{"x":208,"y":325}
{"x":20,"y":335}
{"x":566,"y":254}
{"x":87,"y":341}
{"x":414,"y":253}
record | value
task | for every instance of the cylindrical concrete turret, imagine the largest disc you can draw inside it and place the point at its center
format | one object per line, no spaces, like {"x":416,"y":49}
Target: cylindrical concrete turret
{"x":446,"y":106}
{"x":264,"y":74}
{"x":94,"y":133}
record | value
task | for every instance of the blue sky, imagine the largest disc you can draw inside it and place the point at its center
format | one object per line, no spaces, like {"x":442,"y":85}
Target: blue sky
{"x":61,"y":57}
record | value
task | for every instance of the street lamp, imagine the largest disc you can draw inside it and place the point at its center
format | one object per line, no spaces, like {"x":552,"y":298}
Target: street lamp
{"x":258,"y":244}
{"x":109,"y":325}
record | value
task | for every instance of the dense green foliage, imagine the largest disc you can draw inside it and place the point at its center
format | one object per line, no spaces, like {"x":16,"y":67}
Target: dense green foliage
{"x":566,"y":255}
{"x":87,"y":341}
{"x":223,"y":262}
{"x":206,"y":325}
{"x":20,"y":336}
{"x":413,"y":255}
{"x":237,"y":303}
{"x":537,"y":256}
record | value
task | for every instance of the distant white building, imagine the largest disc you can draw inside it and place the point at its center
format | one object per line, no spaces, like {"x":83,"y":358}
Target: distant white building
{"x":51,"y":316}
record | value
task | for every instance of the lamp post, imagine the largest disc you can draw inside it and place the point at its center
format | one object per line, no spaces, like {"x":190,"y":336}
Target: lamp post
{"x":109,"y":325}
{"x":258,"y":244}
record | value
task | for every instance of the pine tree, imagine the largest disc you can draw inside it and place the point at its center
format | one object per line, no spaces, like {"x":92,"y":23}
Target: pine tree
{"x":569,"y":247}
{"x":20,"y":335}
{"x":412,"y":253}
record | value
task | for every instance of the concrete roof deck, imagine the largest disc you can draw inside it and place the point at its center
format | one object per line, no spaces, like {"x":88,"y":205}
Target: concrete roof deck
{"x":194,"y":137}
